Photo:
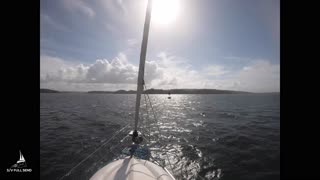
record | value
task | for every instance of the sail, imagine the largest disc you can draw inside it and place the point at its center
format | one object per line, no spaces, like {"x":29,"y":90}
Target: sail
{"x":21,"y":159}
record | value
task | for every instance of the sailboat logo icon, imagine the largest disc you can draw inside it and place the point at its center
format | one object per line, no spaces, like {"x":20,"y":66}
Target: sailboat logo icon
{"x":19,"y":166}
{"x":21,"y":163}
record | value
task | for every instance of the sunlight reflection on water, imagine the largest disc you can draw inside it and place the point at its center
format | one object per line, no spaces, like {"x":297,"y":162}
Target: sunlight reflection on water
{"x":214,"y":136}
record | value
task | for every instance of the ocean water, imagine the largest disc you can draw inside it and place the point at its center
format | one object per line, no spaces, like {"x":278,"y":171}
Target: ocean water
{"x":223,"y":137}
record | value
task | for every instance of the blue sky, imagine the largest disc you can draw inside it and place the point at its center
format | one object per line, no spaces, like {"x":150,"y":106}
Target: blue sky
{"x":221,"y":44}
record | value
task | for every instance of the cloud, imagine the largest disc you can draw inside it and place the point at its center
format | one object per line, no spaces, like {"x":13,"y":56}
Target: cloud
{"x":132,"y":42}
{"x":124,"y":14}
{"x":67,"y":86}
{"x":50,"y":66}
{"x":236,"y":58}
{"x":79,"y":5}
{"x":46,"y":21}
{"x":102,"y":71}
{"x":258,"y":76}
{"x":176,"y":73}
{"x":215,"y":70}
{"x":115,"y":8}
{"x":164,"y":71}
{"x":116,"y":71}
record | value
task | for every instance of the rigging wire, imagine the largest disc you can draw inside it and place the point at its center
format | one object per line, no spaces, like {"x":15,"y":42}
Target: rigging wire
{"x":147,"y":100}
{"x":155,"y":118}
{"x":69,"y":172}
{"x":157,"y":125}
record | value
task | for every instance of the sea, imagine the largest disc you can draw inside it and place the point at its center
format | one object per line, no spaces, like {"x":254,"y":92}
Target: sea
{"x":216,"y":136}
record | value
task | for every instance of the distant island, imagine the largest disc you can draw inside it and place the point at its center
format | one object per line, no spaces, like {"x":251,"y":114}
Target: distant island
{"x":48,"y":91}
{"x":156,"y":91}
{"x":173,"y":91}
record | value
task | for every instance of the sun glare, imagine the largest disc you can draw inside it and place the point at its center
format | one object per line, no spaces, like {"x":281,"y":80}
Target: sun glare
{"x":165,"y":11}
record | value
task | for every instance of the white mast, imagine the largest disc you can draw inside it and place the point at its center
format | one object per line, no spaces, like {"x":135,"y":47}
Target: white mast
{"x":142,"y":63}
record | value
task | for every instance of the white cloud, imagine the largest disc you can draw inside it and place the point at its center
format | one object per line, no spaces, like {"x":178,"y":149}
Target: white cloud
{"x":176,"y":73}
{"x":132,"y":42}
{"x":258,"y":76}
{"x":79,"y":5}
{"x":165,"y":71}
{"x":50,"y":66}
{"x":67,"y":86}
{"x":215,"y":70}
{"x":116,"y":71}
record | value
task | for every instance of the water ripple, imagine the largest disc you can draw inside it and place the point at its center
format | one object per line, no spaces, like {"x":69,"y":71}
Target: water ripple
{"x":212,"y":136}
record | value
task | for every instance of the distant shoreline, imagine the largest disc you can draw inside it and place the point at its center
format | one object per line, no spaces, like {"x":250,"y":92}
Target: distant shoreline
{"x":48,"y":91}
{"x":158,"y":91}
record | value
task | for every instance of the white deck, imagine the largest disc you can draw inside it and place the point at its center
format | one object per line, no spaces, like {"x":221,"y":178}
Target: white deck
{"x":132,"y":169}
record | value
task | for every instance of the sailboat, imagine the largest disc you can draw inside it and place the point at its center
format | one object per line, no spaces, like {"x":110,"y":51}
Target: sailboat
{"x":21,"y":162}
{"x":136,"y":166}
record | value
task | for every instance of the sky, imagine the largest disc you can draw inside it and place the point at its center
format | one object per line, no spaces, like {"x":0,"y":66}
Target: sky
{"x":90,"y":45}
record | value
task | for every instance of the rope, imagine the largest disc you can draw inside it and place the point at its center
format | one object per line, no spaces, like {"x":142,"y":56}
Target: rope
{"x":68,"y":173}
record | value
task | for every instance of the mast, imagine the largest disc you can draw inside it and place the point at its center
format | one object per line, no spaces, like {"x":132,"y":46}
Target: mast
{"x":142,"y":63}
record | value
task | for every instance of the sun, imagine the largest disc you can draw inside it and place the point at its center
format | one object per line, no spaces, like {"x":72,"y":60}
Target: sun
{"x":165,"y":12}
